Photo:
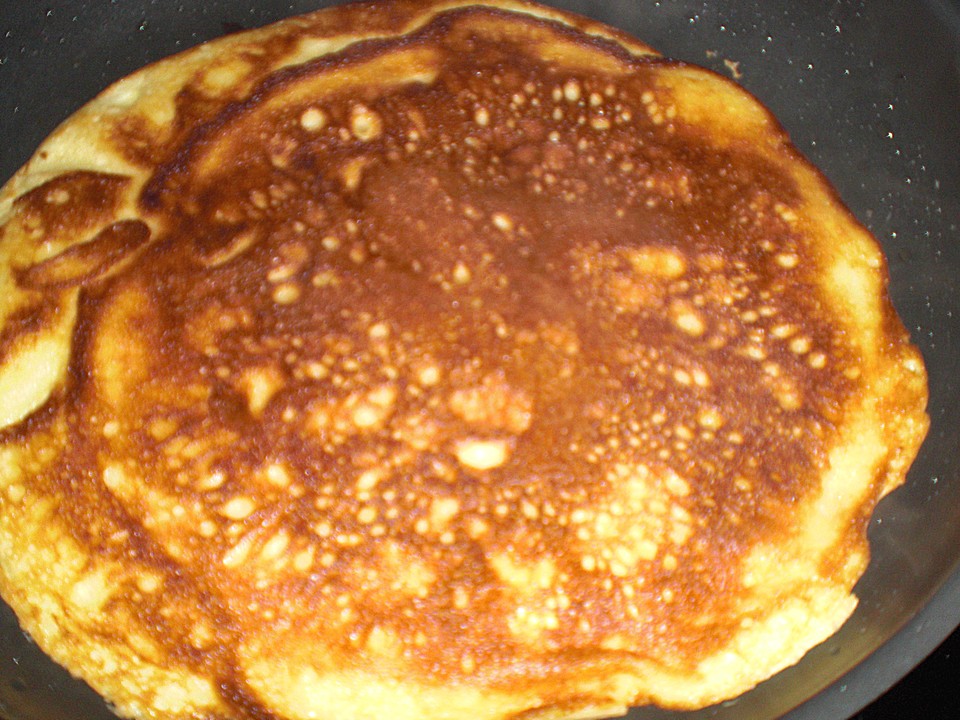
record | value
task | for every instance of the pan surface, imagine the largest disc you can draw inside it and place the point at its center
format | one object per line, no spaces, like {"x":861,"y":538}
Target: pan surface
{"x":870,"y":92}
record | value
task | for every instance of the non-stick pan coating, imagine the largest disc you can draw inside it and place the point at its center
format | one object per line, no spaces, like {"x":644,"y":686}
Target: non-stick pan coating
{"x":870,"y":91}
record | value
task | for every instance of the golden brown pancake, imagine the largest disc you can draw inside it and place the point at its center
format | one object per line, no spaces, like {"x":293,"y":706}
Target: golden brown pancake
{"x":437,"y":361}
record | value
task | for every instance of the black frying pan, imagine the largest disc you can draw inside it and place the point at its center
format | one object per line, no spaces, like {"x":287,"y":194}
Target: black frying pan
{"x":870,"y":91}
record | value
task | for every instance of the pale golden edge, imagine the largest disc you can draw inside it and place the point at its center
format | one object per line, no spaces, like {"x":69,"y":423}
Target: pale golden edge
{"x":60,"y":593}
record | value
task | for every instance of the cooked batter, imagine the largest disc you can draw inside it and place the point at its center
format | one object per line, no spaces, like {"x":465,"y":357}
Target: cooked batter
{"x":422,"y":361}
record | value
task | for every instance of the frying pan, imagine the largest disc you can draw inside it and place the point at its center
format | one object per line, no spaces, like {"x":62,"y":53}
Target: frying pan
{"x":870,"y":92}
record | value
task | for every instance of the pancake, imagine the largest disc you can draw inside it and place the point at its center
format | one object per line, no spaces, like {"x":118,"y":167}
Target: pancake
{"x":433,"y":361}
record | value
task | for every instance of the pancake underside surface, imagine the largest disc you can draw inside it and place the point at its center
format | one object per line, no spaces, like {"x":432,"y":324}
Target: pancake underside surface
{"x":437,"y":361}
